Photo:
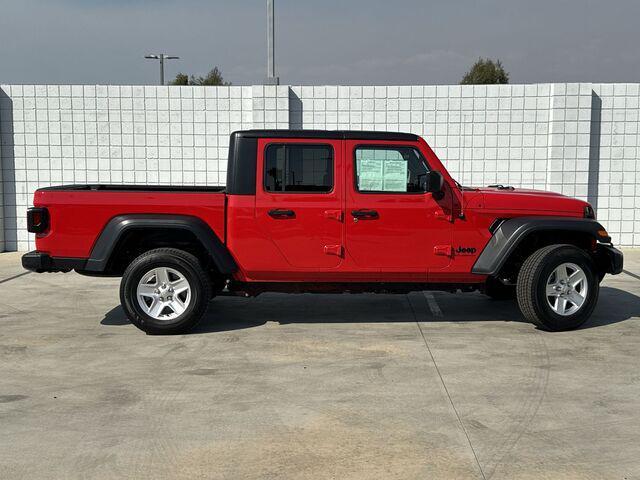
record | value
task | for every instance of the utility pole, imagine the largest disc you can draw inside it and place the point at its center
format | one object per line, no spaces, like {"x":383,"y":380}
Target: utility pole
{"x":271,"y":49}
{"x":162,"y":57}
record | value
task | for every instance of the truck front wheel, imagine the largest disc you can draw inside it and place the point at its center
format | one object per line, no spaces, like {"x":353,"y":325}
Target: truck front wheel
{"x":165,"y":291}
{"x":558,"y":287}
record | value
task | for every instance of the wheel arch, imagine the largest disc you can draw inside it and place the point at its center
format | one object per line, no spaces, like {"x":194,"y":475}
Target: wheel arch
{"x":123,"y":228}
{"x":517,"y":237}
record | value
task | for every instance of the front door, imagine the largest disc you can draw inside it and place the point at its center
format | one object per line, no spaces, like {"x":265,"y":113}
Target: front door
{"x":392,"y":224}
{"x":299,"y":199}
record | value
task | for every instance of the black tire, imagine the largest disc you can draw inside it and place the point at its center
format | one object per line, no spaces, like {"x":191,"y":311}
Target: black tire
{"x":532,"y":283}
{"x":497,"y":290}
{"x":184,"y":263}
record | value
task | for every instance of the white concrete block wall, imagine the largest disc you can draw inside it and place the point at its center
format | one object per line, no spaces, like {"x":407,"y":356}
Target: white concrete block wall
{"x":569,"y":139}
{"x":270,"y":106}
{"x":619,"y":169}
{"x":53,"y":134}
{"x":2,"y":247}
{"x":484,"y":134}
{"x":578,"y":139}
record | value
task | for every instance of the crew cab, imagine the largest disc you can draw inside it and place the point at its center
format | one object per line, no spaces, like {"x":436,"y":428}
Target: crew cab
{"x":325,"y":212}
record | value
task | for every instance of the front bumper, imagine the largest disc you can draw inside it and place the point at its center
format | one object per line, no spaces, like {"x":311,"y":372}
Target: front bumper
{"x":42,"y":262}
{"x":610,"y":259}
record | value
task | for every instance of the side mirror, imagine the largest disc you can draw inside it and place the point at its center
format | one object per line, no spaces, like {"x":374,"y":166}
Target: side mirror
{"x":434,"y":182}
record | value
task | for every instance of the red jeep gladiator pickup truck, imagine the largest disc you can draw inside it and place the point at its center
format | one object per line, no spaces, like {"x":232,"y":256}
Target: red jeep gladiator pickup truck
{"x":325,"y":212}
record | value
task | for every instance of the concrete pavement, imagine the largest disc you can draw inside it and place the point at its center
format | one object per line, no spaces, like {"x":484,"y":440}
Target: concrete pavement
{"x":428,"y":386}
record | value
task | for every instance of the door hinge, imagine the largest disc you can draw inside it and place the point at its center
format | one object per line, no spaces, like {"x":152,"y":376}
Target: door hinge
{"x":333,"y":250}
{"x":444,"y":250}
{"x":333,"y":214}
{"x":444,"y":216}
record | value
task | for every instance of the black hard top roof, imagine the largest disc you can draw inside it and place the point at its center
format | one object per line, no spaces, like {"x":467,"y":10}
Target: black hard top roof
{"x":328,"y":134}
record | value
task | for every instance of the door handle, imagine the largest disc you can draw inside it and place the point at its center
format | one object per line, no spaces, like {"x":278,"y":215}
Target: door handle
{"x":365,"y":214}
{"x":279,"y":213}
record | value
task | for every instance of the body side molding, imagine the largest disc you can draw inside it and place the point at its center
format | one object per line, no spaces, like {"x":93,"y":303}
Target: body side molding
{"x":512,"y":231}
{"x":118,"y":226}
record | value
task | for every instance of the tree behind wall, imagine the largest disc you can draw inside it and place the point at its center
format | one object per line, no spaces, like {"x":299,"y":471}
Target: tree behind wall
{"x":213,"y":78}
{"x":486,"y":72}
{"x":181,"y":79}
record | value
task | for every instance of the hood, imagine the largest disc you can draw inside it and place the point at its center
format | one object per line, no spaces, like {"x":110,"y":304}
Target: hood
{"x":523,"y":200}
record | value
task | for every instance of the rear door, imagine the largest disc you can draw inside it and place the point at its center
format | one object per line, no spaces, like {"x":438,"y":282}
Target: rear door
{"x":392,"y":224}
{"x":299,"y":201}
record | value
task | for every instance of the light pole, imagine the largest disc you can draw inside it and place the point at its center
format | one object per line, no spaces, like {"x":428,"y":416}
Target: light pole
{"x":162,"y":57}
{"x":271,"y":49}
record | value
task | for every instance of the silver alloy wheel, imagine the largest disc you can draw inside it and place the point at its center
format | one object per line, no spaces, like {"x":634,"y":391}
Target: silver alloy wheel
{"x":163,"y":293}
{"x":566,"y":289}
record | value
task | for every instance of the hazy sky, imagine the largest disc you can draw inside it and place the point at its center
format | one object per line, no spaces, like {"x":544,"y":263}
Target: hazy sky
{"x":320,"y":41}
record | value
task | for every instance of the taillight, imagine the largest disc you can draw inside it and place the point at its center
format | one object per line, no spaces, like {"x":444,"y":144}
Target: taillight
{"x":37,"y":220}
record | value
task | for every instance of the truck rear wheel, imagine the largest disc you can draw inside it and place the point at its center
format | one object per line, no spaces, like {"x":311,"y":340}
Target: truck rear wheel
{"x":558,"y":287}
{"x":165,"y":291}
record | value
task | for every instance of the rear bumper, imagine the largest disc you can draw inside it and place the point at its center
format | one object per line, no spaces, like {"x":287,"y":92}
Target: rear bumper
{"x":610,"y":259}
{"x":42,"y":262}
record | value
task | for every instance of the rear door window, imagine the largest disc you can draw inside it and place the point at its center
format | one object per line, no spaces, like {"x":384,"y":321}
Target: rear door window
{"x":298,"y":168}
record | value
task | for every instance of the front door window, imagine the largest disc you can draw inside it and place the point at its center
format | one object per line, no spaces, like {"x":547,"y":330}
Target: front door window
{"x":390,"y":170}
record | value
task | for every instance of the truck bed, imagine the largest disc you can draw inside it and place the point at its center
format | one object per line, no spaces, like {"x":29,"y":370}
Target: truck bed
{"x":79,"y":213}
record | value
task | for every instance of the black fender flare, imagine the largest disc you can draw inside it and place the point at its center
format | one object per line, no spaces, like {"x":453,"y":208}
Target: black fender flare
{"x":513,"y":231}
{"x":121,"y":224}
